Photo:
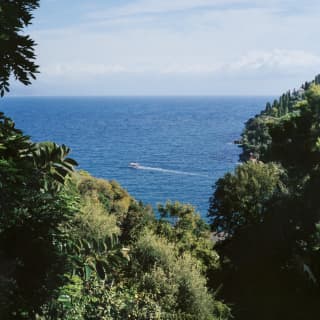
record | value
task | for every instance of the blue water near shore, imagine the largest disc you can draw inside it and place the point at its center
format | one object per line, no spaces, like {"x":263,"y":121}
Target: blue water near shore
{"x":183,"y":144}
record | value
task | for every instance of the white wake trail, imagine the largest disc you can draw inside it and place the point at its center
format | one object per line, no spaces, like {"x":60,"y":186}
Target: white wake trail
{"x":171,"y":171}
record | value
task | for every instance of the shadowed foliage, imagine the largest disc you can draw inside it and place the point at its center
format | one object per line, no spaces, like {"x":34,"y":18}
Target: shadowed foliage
{"x":270,"y":218}
{"x":16,"y":49}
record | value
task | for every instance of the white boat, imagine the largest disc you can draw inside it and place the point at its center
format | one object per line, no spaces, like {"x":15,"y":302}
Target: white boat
{"x":134,"y":165}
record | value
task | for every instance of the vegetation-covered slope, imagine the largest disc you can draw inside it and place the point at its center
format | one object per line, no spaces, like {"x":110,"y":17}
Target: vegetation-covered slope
{"x":269,"y":210}
{"x":256,"y":136}
{"x":85,"y":249}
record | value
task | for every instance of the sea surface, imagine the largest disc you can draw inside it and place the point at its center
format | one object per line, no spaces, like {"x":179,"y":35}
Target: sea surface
{"x":182,"y":144}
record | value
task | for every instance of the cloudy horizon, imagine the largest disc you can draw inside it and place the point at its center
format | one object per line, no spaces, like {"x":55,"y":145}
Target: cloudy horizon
{"x":173,"y":47}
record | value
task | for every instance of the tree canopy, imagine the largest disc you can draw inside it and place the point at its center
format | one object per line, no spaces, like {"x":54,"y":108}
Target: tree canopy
{"x":242,"y":198}
{"x":17,"y":54}
{"x":269,"y":213}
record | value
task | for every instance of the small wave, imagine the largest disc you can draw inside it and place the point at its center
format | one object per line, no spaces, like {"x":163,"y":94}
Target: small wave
{"x":171,"y":171}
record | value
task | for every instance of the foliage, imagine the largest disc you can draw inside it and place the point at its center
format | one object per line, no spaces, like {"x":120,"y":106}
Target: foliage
{"x":139,"y":276}
{"x":242,"y":198}
{"x":33,"y":205}
{"x":174,"y":280}
{"x":189,"y":233}
{"x":256,"y":137}
{"x":53,"y":158}
{"x":269,"y":213}
{"x":16,"y":49}
{"x":110,"y":194}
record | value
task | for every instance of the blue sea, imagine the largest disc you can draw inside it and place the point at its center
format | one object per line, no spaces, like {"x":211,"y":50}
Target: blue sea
{"x":182,"y":144}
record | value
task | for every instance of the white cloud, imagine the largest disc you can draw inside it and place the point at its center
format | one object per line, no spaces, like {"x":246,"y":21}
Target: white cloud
{"x":255,"y":61}
{"x":276,"y":59}
{"x":81,"y":69}
{"x":191,"y":69}
{"x":164,"y":6}
{"x":136,"y":8}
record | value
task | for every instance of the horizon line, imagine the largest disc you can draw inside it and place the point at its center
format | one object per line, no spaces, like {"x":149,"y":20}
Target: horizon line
{"x":143,"y":96}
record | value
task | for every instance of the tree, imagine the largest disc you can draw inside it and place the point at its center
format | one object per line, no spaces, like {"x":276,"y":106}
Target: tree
{"x":256,"y":138}
{"x":268,"y":108}
{"x":16,"y":49}
{"x":174,"y":280}
{"x":33,"y":205}
{"x":270,"y":261}
{"x":241,"y":199}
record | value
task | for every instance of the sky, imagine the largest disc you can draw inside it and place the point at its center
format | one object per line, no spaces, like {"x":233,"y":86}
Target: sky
{"x":174,"y":47}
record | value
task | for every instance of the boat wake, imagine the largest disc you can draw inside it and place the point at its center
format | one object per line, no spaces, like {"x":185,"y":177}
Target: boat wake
{"x":139,"y":167}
